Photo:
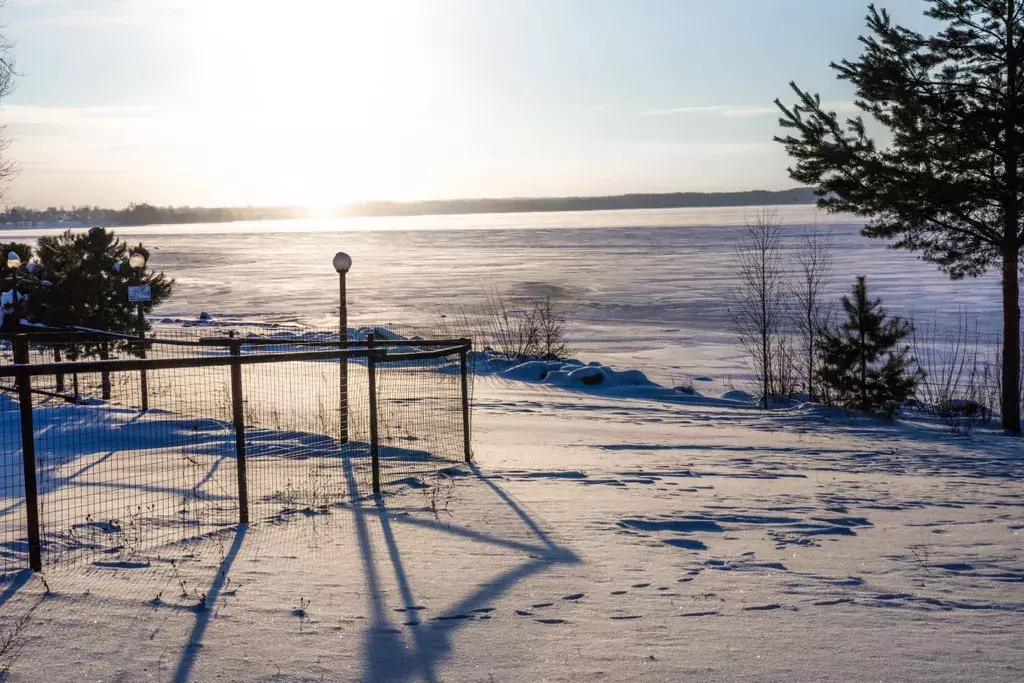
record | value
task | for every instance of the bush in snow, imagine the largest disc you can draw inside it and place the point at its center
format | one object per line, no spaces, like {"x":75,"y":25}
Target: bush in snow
{"x":515,"y":327}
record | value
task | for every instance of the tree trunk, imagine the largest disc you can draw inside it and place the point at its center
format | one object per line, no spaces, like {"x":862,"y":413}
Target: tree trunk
{"x":1010,"y":401}
{"x":863,"y":371}
{"x":810,"y":355}
{"x":765,"y":351}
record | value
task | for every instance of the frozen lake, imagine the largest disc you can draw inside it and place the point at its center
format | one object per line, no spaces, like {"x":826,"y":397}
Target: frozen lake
{"x":648,"y":289}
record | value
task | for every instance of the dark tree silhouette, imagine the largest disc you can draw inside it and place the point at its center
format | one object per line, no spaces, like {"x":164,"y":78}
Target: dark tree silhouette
{"x":90,"y":276}
{"x":949,"y":184}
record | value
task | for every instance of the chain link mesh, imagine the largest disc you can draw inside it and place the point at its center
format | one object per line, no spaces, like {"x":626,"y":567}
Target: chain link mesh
{"x":121,"y":485}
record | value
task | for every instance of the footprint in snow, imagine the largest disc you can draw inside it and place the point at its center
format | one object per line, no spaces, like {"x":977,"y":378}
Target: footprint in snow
{"x":542,"y":604}
{"x":762,"y":608}
{"x":699,"y":614}
{"x":524,"y":613}
{"x":552,"y":621}
{"x":641,"y":585}
{"x":574,"y":596}
{"x":483,"y":610}
{"x":838,"y":601}
{"x":627,"y":617}
{"x":619,"y":592}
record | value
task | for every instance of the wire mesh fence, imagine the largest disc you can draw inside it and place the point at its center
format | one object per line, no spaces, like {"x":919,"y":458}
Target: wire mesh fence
{"x":235,"y":429}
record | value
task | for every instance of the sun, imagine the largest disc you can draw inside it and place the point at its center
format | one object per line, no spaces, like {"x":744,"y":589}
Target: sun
{"x":318,"y":106}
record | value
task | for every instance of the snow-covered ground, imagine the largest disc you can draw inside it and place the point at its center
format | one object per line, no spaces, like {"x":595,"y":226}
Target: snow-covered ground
{"x":610,"y":529}
{"x":595,"y":538}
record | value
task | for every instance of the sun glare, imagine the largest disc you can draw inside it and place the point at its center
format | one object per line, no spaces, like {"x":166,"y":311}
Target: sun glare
{"x":316,"y":106}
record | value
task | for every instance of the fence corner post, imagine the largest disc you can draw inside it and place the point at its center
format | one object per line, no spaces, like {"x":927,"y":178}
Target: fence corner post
{"x":28,"y":453}
{"x":238,"y":418}
{"x":464,"y":375}
{"x":371,"y":372}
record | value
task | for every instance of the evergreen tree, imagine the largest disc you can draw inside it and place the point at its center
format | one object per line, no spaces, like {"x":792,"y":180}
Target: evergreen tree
{"x":90,"y":277}
{"x":950,"y":183}
{"x":20,"y":284}
{"x":864,"y":364}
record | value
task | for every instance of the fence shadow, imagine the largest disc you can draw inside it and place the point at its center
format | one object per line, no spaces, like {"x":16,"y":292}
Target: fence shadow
{"x":204,"y":612}
{"x":386,"y":657}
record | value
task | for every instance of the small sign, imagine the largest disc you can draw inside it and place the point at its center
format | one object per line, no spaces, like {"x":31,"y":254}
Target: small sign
{"x":139,"y":294}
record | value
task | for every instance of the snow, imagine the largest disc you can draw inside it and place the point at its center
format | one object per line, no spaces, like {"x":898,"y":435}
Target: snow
{"x":595,"y":538}
{"x":610,"y":529}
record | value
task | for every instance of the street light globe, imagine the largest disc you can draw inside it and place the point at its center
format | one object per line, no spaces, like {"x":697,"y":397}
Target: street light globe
{"x":342,"y":262}
{"x":13,"y":261}
{"x":137,"y":260}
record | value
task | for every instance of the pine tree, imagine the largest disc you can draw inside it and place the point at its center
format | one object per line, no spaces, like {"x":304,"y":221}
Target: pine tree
{"x":864,"y":364}
{"x":90,"y":277}
{"x":950,"y":182}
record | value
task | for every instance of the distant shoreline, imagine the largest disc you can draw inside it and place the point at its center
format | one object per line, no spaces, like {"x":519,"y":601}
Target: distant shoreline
{"x":147,"y":214}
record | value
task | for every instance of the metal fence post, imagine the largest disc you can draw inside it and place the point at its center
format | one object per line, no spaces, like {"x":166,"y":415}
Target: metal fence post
{"x":371,"y":371}
{"x":28,"y":453}
{"x":343,"y":367}
{"x":238,"y":417}
{"x":464,"y":373}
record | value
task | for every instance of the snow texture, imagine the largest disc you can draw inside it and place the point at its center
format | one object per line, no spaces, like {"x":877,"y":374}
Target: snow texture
{"x":594,"y":539}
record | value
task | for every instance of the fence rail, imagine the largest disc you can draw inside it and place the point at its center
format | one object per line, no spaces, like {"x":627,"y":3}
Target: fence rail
{"x":281,"y":430}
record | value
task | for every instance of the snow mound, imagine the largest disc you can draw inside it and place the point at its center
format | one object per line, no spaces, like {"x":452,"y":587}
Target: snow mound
{"x":573,"y":374}
{"x":738,"y":395}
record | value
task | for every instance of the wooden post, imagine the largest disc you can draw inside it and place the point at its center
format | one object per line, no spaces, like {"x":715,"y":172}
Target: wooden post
{"x":105,"y":374}
{"x":20,"y":344}
{"x":143,"y":377}
{"x":28,"y":453}
{"x":60,"y":375}
{"x":371,"y":371}
{"x":238,"y":417}
{"x":464,"y":374}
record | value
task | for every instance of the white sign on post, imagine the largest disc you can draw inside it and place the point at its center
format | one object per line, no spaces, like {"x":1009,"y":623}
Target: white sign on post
{"x":139,"y":294}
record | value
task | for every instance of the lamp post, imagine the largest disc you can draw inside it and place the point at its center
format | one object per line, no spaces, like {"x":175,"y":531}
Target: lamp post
{"x":14,"y":263}
{"x":137,"y":261}
{"x":342,"y":264}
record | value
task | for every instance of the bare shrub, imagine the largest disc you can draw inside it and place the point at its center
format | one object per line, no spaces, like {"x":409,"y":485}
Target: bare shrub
{"x":955,"y":369}
{"x":812,"y":311}
{"x":12,"y":641}
{"x":759,"y":297}
{"x":992,"y":376}
{"x":515,"y":327}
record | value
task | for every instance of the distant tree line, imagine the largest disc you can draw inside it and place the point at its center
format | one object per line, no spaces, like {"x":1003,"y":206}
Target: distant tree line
{"x":149,"y":214}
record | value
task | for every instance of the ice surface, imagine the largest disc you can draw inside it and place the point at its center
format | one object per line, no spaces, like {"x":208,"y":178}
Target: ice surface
{"x":649,"y":289}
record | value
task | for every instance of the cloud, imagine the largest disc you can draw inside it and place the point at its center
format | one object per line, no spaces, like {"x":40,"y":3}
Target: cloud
{"x":35,"y":115}
{"x":741,"y":110}
{"x":715,"y":110}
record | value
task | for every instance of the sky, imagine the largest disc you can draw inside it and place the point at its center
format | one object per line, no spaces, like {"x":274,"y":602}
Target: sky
{"x":322,"y":102}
